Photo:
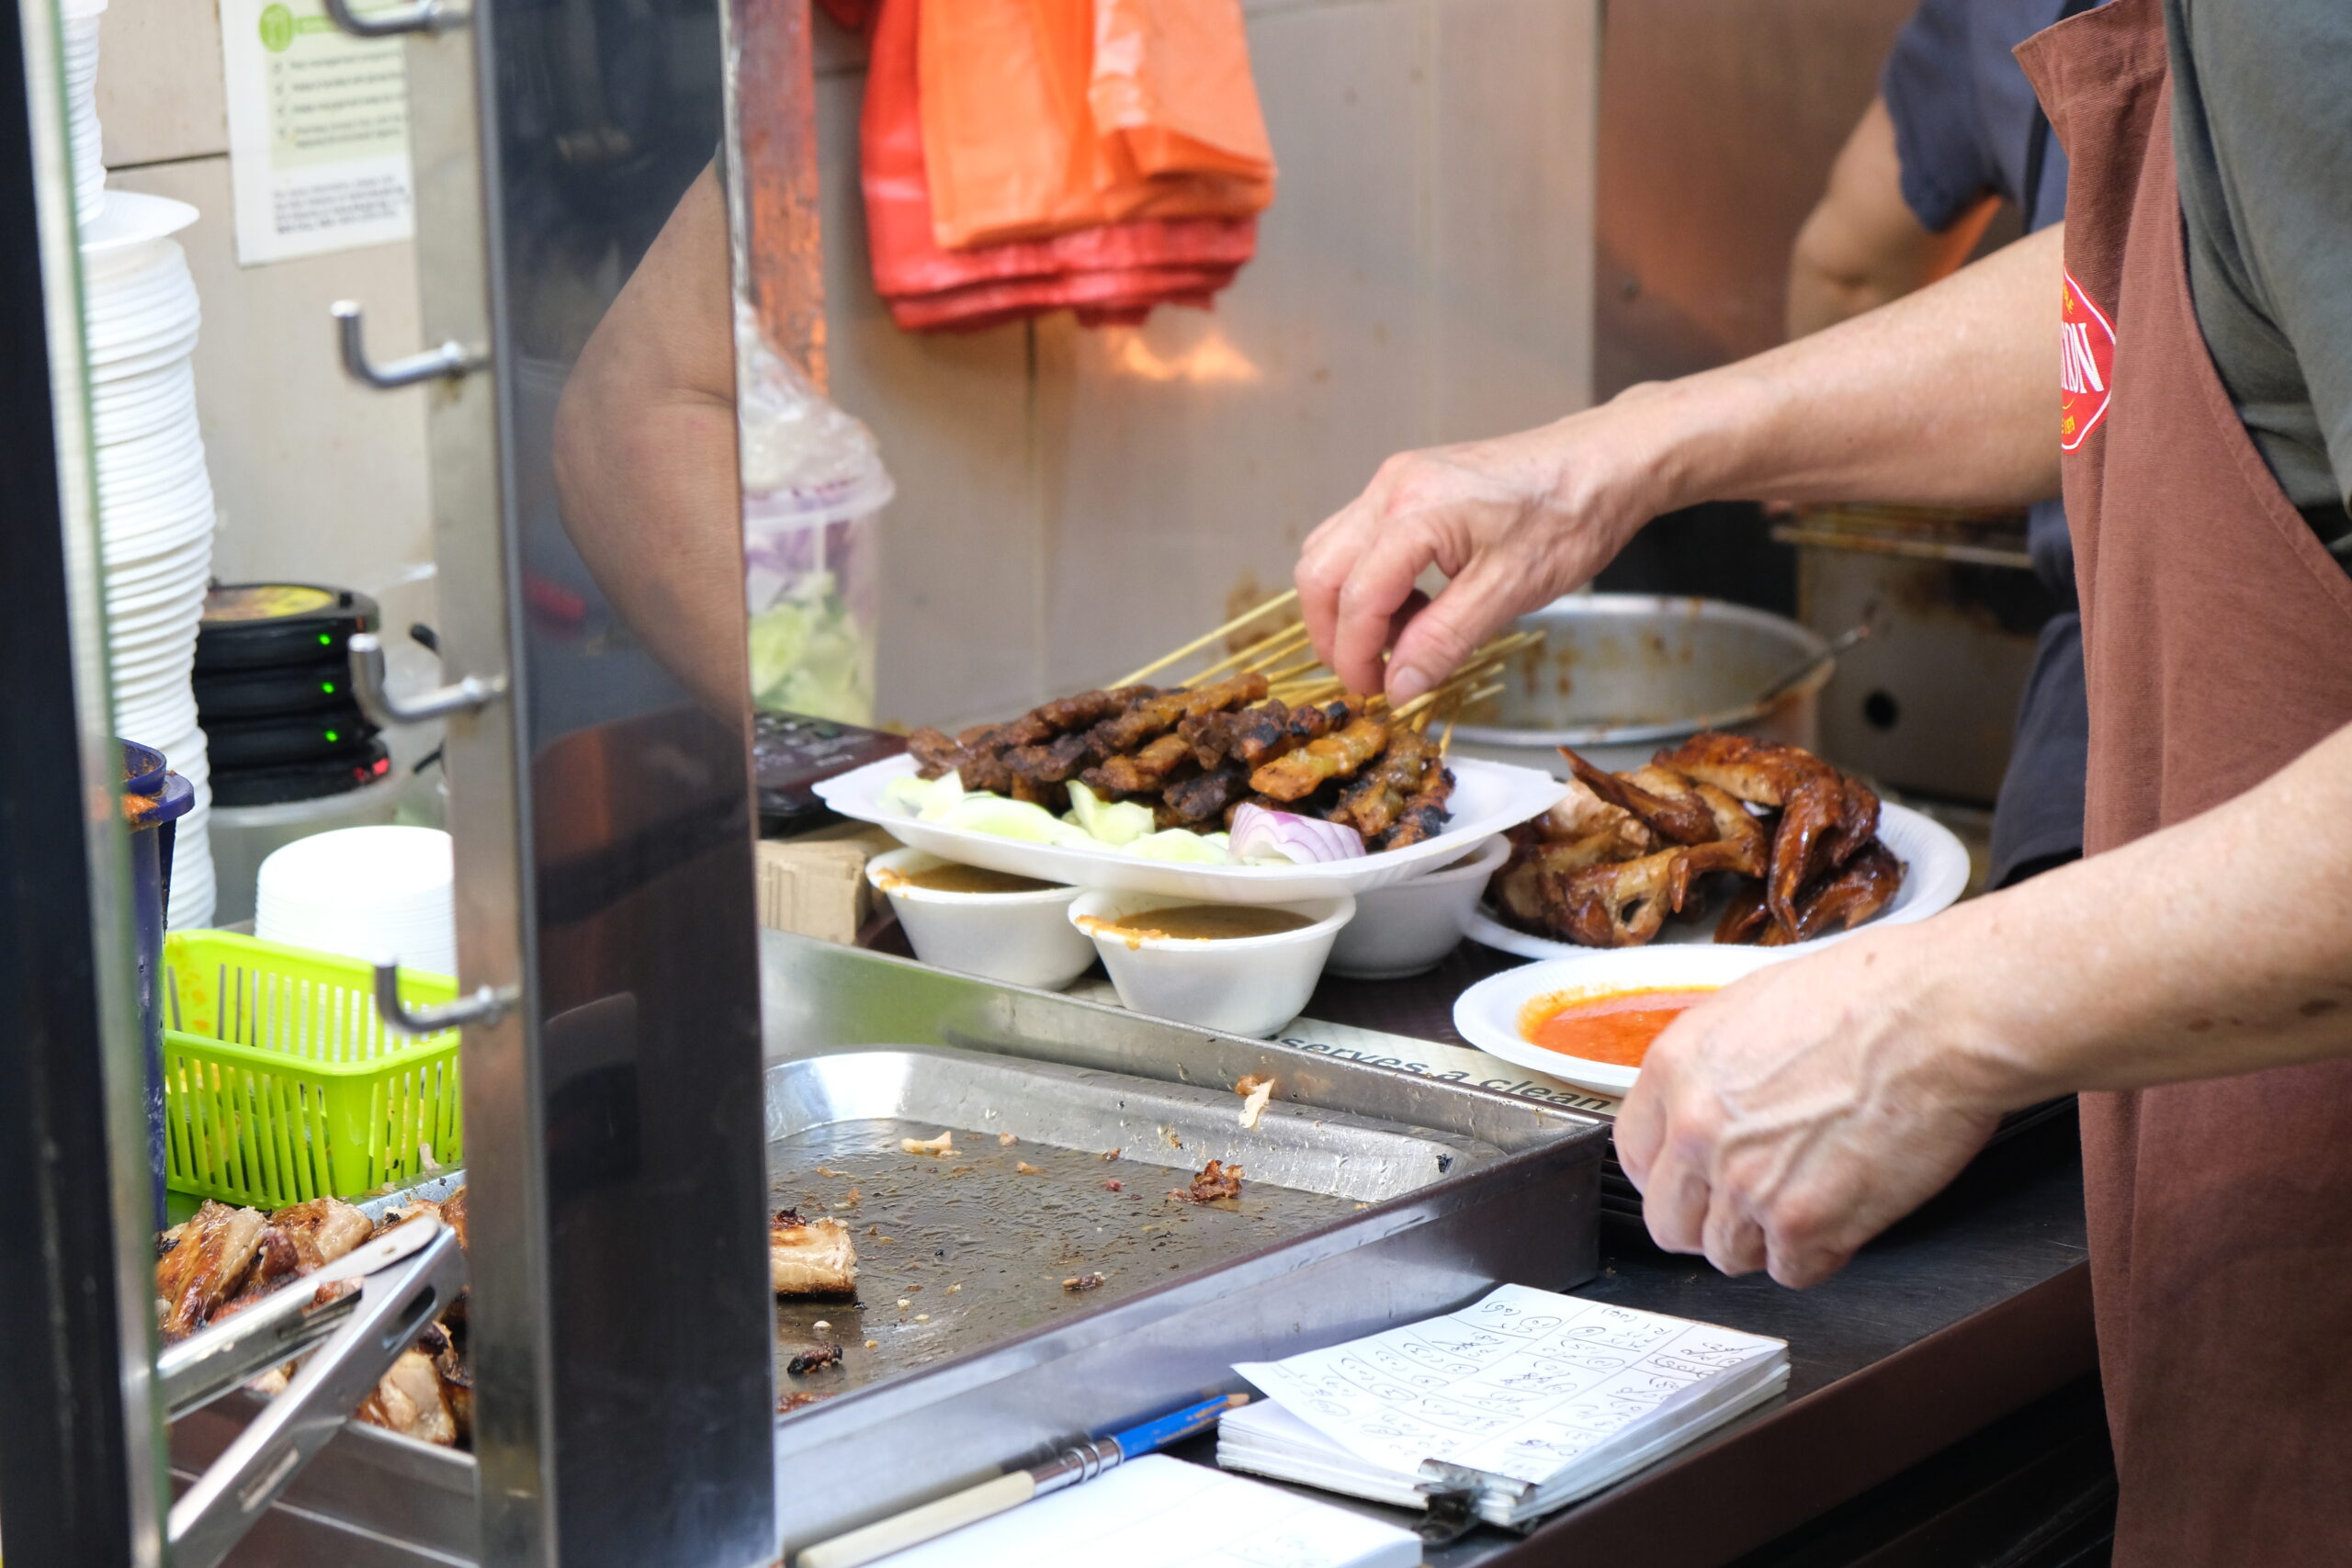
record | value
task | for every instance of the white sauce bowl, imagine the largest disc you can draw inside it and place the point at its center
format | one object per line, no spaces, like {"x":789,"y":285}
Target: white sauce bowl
{"x":1021,"y":939}
{"x":1406,"y":929}
{"x":1249,"y":985}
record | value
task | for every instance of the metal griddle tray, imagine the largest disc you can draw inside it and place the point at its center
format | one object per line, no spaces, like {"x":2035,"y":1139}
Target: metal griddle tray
{"x":1458,"y":1187}
{"x":1059,"y":1174}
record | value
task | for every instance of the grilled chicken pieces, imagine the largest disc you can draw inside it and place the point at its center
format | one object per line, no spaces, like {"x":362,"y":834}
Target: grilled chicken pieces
{"x":209,"y":1259}
{"x":810,"y":1257}
{"x":1623,"y":852}
{"x":224,"y":1259}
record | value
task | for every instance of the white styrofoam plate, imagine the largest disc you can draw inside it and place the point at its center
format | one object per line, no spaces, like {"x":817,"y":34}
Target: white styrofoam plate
{"x":1488,"y":798}
{"x":1935,"y":873}
{"x":1487,"y":1014}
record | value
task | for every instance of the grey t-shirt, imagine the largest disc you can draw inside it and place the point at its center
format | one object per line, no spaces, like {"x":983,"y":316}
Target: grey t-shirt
{"x":2262,"y":130}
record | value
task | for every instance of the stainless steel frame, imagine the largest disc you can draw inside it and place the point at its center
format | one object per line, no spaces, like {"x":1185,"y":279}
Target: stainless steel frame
{"x":618,"y":1323}
{"x":81,"y":1472}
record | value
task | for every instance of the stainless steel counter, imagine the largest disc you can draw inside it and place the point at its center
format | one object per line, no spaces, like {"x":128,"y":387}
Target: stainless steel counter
{"x":1971,"y":1311}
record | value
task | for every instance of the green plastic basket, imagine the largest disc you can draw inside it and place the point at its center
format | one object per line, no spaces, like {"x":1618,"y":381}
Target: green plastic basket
{"x":281,"y":1084}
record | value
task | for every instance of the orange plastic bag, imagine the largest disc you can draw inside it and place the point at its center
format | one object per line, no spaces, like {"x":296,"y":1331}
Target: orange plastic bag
{"x":1106,"y":272}
{"x":1013,"y":92}
{"x":1170,"y":89}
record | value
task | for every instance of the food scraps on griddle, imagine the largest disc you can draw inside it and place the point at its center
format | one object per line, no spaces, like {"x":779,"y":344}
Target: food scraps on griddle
{"x":814,"y":1359}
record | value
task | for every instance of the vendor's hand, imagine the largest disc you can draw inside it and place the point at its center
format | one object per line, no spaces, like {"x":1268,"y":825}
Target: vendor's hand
{"x":1790,"y":1118}
{"x":1513,"y":523}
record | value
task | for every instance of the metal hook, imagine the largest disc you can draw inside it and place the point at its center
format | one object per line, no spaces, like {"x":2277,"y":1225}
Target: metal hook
{"x":425,"y":16}
{"x":451,"y":360}
{"x":368,"y":688}
{"x":485,"y":1007}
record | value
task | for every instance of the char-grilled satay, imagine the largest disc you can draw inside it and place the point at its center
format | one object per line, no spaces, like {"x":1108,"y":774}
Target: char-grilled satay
{"x":1372,"y":802}
{"x":1424,"y":812}
{"x":1155,"y":716}
{"x":1249,"y":735}
{"x":1203,"y":798}
{"x":1054,"y":761}
{"x":983,"y":753}
{"x":1299,"y":773}
{"x":1145,"y":770}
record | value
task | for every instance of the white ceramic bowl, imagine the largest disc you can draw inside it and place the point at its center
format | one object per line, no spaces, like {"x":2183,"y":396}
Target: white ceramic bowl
{"x":1021,"y":939}
{"x":1247,"y":986}
{"x":1406,"y":929}
{"x":1487,"y":1014}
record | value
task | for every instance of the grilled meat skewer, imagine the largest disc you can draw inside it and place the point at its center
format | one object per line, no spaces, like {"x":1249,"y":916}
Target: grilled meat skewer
{"x":1299,"y":773}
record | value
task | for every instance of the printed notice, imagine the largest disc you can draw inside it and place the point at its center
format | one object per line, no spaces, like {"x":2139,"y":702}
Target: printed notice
{"x":318,"y":131}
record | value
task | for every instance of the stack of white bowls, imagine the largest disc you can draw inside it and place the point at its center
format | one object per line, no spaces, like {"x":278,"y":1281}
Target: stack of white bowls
{"x":81,"y":19}
{"x":155,"y":514}
{"x":368,"y":893}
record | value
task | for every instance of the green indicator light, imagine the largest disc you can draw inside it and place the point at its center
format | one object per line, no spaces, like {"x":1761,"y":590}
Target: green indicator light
{"x":327,"y":686}
{"x":332,"y":737}
{"x":326,"y":639}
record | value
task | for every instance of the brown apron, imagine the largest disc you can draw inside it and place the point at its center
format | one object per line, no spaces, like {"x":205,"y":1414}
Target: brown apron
{"x":2215,"y":631}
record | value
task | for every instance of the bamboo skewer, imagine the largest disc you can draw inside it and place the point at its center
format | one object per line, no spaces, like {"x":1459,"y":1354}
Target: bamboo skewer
{"x":1278,"y":601}
{"x":1278,"y":645}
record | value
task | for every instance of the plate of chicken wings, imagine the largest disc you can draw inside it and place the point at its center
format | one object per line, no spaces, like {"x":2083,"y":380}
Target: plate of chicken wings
{"x":1724,"y":839}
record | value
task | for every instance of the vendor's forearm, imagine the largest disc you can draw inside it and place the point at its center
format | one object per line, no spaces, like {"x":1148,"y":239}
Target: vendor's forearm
{"x":2220,"y":945}
{"x":1946,"y":397}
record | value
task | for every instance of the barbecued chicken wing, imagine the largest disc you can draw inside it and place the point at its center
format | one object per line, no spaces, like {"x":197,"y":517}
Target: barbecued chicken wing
{"x":1824,"y":816}
{"x":1864,"y":887}
{"x":1661,"y":800}
{"x":213,"y":1252}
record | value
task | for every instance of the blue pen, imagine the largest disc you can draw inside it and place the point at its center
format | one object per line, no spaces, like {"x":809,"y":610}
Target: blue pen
{"x":1081,"y":1461}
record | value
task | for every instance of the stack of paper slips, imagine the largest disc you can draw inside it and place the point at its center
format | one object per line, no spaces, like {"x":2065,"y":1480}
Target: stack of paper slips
{"x":1525,"y":1399}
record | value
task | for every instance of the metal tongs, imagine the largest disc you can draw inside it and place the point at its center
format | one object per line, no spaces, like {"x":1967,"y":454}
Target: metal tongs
{"x":406,"y":1277}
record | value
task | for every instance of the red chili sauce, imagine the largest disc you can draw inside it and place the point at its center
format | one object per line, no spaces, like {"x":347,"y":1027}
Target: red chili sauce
{"x":1616,"y":1027}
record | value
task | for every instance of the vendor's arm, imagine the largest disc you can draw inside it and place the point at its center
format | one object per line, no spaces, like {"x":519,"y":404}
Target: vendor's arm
{"x":1863,"y":246}
{"x":1941,"y":398}
{"x":1793,"y":1116}
{"x":645,"y":456}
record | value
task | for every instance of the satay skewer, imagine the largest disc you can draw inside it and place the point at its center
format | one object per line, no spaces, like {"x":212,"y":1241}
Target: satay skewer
{"x":1258,"y":655}
{"x":1278,"y":601}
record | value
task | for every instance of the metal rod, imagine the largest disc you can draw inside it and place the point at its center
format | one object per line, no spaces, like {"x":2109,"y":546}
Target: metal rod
{"x":423,"y":16}
{"x":451,"y":360}
{"x":368,"y":688}
{"x":486,"y":1006}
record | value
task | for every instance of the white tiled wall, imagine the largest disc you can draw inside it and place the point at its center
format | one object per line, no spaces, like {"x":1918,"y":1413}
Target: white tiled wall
{"x":1070,"y":502}
{"x":317,"y":479}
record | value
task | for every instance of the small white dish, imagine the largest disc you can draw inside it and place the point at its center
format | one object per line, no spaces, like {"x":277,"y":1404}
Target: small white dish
{"x":1249,"y":985}
{"x":1487,"y":1014}
{"x":1408,"y":927}
{"x":1021,"y":939}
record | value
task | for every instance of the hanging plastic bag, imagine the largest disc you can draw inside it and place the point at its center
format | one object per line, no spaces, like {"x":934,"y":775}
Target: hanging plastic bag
{"x":1172,"y":92}
{"x":1108,"y":272}
{"x":1011,"y":96}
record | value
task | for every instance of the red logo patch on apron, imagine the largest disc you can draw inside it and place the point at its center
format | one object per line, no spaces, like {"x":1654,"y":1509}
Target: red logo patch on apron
{"x":2086,"y":366}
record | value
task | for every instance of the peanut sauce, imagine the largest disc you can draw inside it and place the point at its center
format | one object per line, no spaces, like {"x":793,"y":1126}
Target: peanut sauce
{"x":954,"y":878}
{"x":1616,"y":1027}
{"x":1200,"y":922}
